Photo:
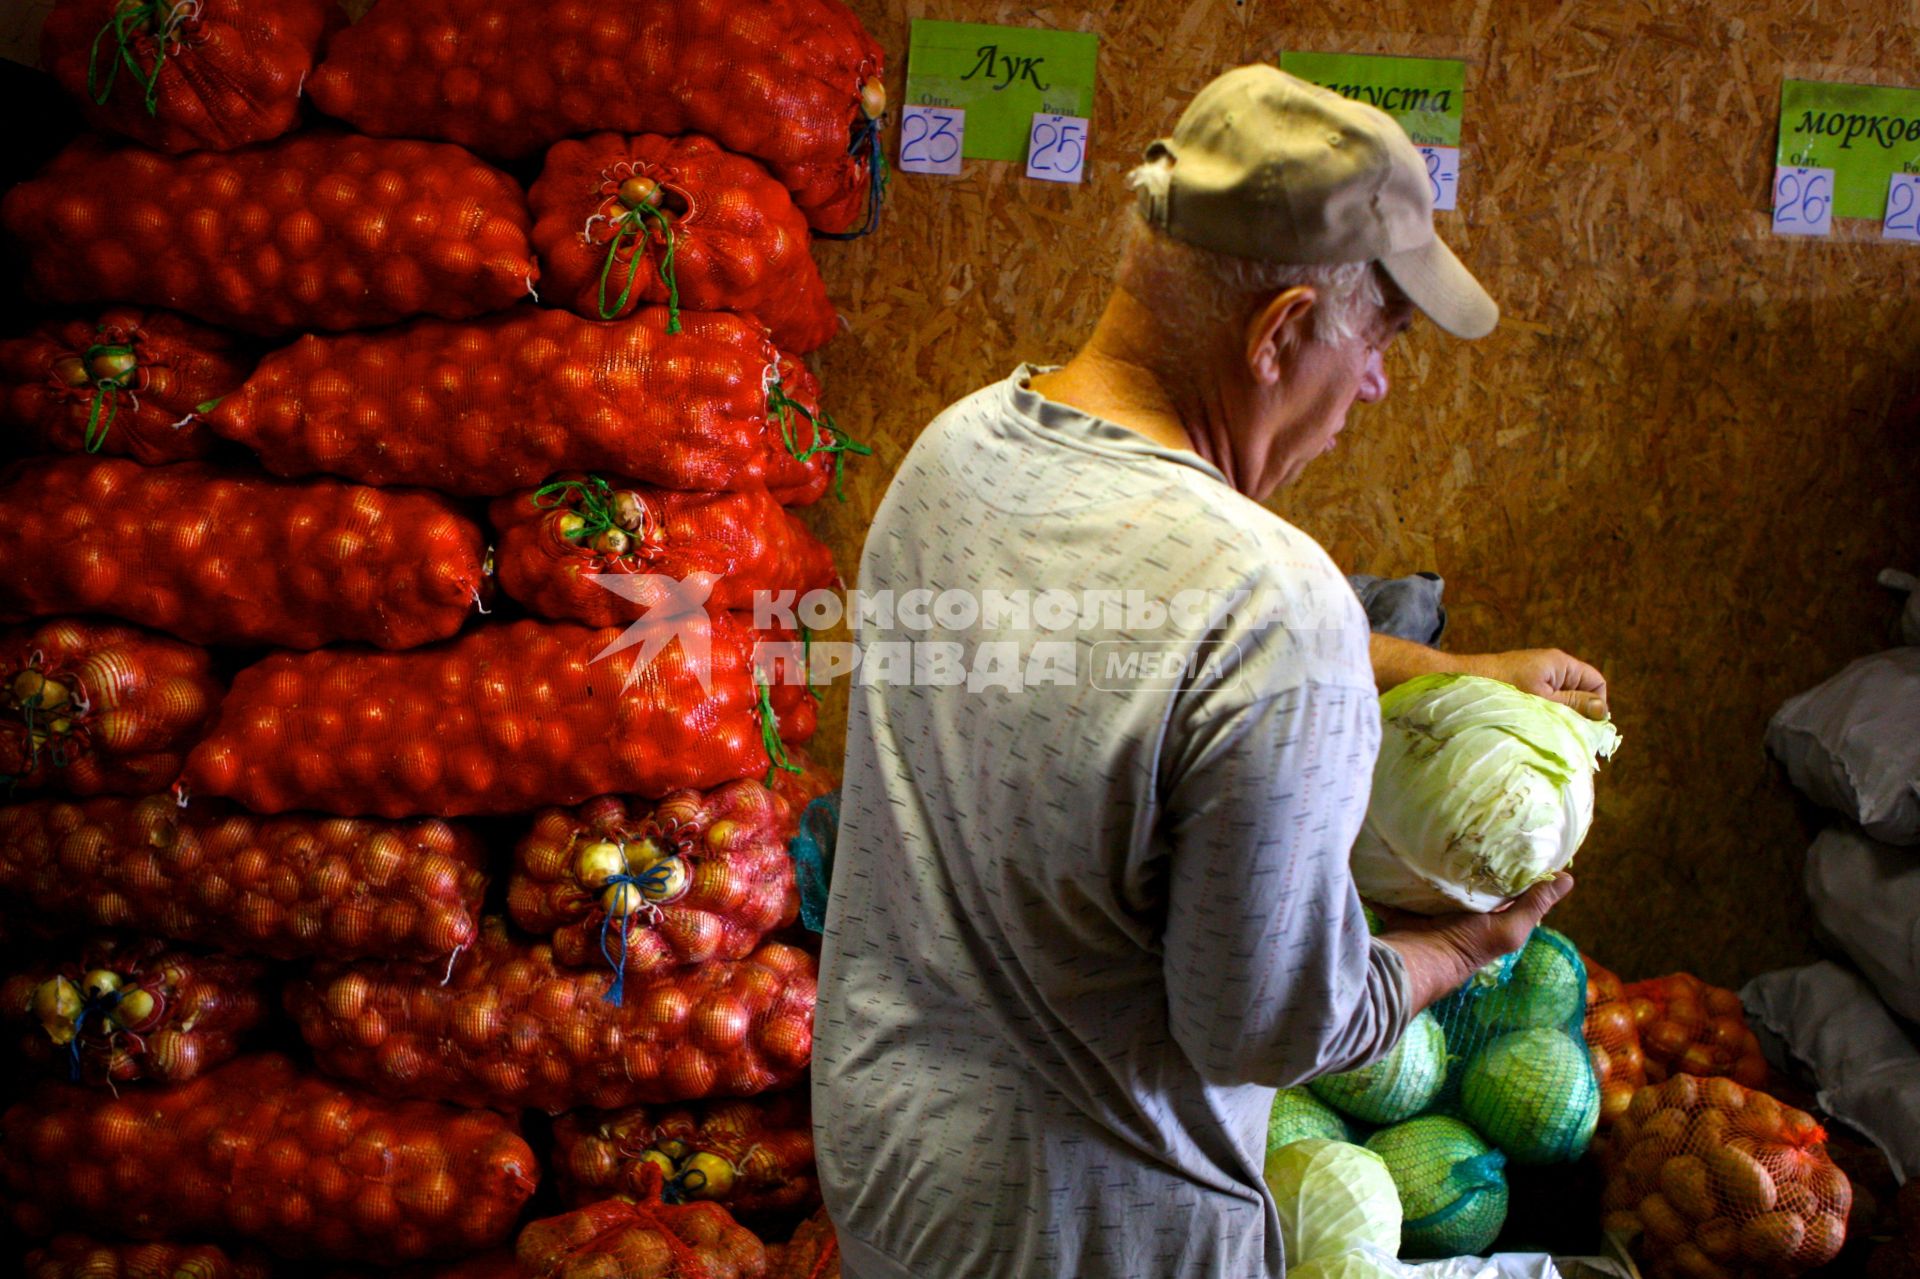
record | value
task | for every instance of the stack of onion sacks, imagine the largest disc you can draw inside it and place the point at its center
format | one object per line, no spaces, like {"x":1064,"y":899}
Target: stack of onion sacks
{"x":1690,"y":1028}
{"x":1717,"y":1181}
{"x":751,"y":1154}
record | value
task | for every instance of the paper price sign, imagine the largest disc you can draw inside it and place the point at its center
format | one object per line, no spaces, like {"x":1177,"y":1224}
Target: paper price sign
{"x":1802,"y":201}
{"x":1443,"y":175}
{"x":1903,"y":208}
{"x":999,"y":79}
{"x":1056,"y":148}
{"x":931,"y":139}
{"x":1861,"y":134}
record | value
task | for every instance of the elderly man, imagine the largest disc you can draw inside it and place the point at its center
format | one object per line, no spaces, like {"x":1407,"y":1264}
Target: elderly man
{"x":1080,"y":929}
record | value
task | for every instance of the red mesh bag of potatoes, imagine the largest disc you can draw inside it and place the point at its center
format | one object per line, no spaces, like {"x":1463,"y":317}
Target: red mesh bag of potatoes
{"x":796,"y":84}
{"x":483,"y":408}
{"x":581,"y":549}
{"x":96,"y":708}
{"x":752,"y":1154}
{"x":1613,"y":1039}
{"x":320,"y":230}
{"x":505,"y":719}
{"x":619,"y":223}
{"x":812,"y":1253}
{"x":123,"y":1010}
{"x":130,"y":384}
{"x":1690,"y":1028}
{"x":260,"y":1151}
{"x":644,"y":887}
{"x":511,"y":1027}
{"x":1719,"y":1180}
{"x":230,"y":557}
{"x":284,"y":887}
{"x":183,"y":75}
{"x":80,"y":1257}
{"x":647,"y":1237}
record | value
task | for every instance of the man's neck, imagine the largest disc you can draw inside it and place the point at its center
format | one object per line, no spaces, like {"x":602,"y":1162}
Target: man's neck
{"x":1114,"y":377}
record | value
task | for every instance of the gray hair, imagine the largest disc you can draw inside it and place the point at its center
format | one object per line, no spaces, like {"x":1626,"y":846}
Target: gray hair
{"x":1196,"y":289}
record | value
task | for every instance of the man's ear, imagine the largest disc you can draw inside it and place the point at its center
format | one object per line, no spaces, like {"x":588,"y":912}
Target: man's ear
{"x":1278,"y":327}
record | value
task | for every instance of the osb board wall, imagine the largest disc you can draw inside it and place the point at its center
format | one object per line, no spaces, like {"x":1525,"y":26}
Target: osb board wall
{"x":1671,"y":458}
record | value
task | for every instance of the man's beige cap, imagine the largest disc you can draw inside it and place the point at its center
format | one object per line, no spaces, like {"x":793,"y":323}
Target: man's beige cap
{"x":1268,"y":166}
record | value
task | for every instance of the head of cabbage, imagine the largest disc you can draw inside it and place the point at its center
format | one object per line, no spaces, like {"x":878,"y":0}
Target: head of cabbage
{"x":1480,"y":792}
{"x":1333,"y":1197}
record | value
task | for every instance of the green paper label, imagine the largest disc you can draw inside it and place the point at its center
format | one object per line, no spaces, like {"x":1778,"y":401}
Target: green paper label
{"x":1001,"y":77}
{"x":1865,"y":133}
{"x":1426,"y":95}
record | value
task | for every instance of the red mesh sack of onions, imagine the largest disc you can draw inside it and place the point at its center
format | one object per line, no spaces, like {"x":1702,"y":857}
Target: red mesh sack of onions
{"x":80,"y":1257}
{"x":752,"y":1154}
{"x":582,"y":549}
{"x":181,"y":75}
{"x":795,"y":84}
{"x":229,"y":557}
{"x":644,"y":887}
{"x":812,"y":1253}
{"x":621,"y":222}
{"x":505,"y":719}
{"x":130,"y":384}
{"x":320,"y":230}
{"x":258,"y":1150}
{"x":511,"y":1027}
{"x":1719,"y":1181}
{"x":96,"y":708}
{"x":1690,"y":1028}
{"x":131,"y":1009}
{"x":1613,"y":1040}
{"x":648,"y":1237}
{"x":484,"y":408}
{"x":284,"y":887}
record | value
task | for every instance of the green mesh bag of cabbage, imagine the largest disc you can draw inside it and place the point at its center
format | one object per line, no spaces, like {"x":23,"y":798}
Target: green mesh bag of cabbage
{"x":1298,"y":1115}
{"x":1519,"y":1068}
{"x":1453,"y":1192}
{"x":1398,"y":1086}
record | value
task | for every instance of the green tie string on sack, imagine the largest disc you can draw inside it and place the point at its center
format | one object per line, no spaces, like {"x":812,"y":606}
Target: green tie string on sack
{"x":828,"y":437}
{"x":162,"y":18}
{"x":770,"y":736}
{"x":110,"y":368}
{"x":643,"y":200}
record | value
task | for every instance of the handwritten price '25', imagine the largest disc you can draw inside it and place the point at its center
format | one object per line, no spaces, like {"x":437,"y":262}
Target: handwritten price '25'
{"x":935,"y":139}
{"x":1802,"y":197}
{"x":1053,"y":141}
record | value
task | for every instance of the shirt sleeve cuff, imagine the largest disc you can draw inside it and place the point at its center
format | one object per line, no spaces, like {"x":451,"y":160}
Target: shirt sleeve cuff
{"x":1388,"y":985}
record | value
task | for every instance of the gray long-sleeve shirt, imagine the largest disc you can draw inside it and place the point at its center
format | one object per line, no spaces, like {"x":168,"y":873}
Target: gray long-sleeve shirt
{"x":1082,"y":926}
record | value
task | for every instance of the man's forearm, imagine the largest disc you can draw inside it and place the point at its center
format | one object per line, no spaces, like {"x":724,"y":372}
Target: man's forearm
{"x":1395,"y":661}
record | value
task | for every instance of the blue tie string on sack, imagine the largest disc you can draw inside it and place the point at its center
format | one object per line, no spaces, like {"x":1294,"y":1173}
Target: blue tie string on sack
{"x":812,"y":851}
{"x":653,"y":879}
{"x":866,"y":138}
{"x":100,"y":1005}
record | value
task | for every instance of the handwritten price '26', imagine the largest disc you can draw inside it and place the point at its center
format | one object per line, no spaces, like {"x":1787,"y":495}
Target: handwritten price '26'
{"x":1802,"y":198}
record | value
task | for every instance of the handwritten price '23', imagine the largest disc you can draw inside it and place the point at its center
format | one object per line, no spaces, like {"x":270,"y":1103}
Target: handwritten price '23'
{"x":930,"y":140}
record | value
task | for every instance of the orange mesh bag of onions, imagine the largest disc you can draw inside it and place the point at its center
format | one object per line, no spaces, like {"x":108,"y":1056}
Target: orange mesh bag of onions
{"x":1690,"y":1028}
{"x":508,"y":718}
{"x":185,"y":74}
{"x":1717,"y":1181}
{"x":220,"y":556}
{"x":320,"y":230}
{"x":794,"y":83}
{"x":486,"y":407}
{"x":511,"y":1027}
{"x":259,"y":1151}
{"x":812,"y":1253}
{"x":130,"y":384}
{"x":1613,"y":1039}
{"x":623,"y":222}
{"x":646,"y":1237}
{"x":753,"y":1154}
{"x":581,"y":549}
{"x":128,"y":1009}
{"x":95,"y":708}
{"x":283,"y":887}
{"x":644,"y":887}
{"x":80,"y":1257}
